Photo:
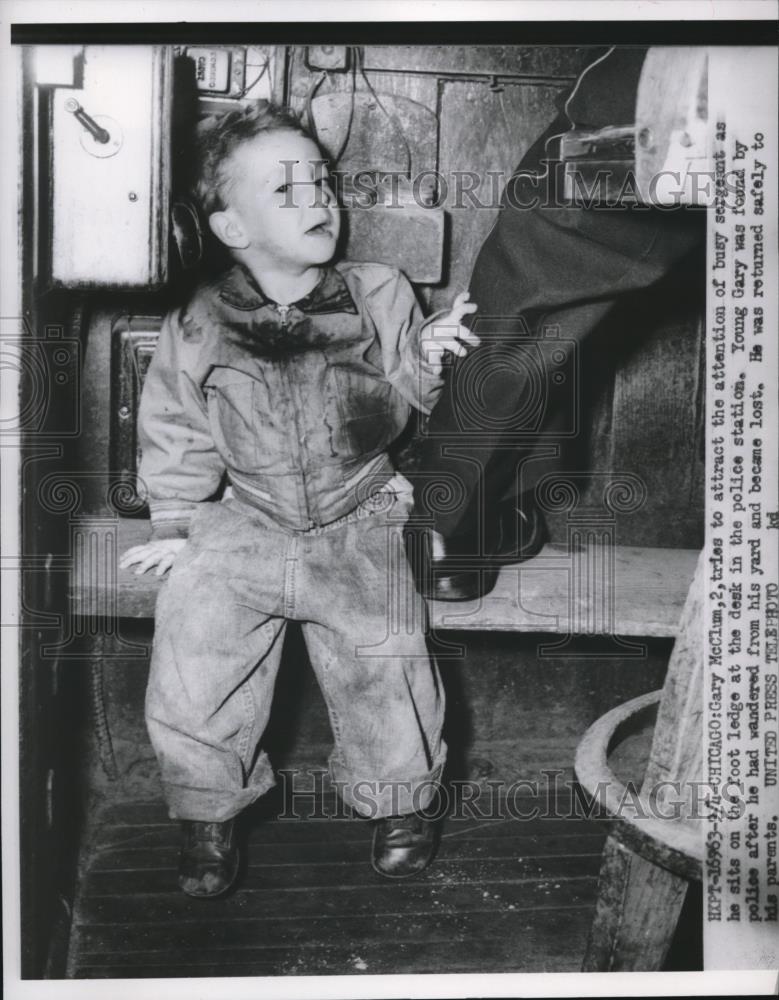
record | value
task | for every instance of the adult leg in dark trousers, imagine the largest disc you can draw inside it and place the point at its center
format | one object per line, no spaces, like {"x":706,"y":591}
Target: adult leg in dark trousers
{"x":546,"y":265}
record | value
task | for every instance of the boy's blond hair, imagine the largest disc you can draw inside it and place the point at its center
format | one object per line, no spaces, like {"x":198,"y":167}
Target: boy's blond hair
{"x":218,"y":136}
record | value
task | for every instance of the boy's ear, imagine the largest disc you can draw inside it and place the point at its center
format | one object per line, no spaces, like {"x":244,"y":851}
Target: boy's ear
{"x":228,"y":230}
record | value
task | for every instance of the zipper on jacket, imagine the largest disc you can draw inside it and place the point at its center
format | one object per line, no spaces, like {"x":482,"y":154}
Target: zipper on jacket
{"x":298,"y":437}
{"x":282,"y":311}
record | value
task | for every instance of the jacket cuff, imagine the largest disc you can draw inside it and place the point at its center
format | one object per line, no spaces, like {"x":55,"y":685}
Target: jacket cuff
{"x":170,"y":519}
{"x":427,"y":381}
{"x":423,"y":365}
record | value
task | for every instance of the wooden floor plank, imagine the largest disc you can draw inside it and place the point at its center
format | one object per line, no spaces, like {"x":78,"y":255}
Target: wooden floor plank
{"x":340,"y":852}
{"x":332,"y":879}
{"x":559,"y":806}
{"x":113,"y":836}
{"x":148,"y":852}
{"x":520,"y":894}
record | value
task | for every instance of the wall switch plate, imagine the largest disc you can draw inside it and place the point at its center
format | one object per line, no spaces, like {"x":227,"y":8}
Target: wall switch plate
{"x":330,"y":57}
{"x":219,"y":70}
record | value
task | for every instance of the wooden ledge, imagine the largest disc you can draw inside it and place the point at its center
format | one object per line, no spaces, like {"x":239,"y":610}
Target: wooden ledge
{"x":597,"y":591}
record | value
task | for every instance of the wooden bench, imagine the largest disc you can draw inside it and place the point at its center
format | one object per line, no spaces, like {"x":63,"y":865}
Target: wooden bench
{"x":598,"y":590}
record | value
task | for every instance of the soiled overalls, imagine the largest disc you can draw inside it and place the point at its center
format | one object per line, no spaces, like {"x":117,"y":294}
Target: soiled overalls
{"x":296,"y":405}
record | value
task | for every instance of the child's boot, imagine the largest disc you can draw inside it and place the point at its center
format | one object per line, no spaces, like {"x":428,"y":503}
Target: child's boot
{"x":403,"y":846}
{"x":208,"y":863}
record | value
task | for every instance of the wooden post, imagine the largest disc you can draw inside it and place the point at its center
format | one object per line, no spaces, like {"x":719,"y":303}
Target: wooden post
{"x":639,"y":901}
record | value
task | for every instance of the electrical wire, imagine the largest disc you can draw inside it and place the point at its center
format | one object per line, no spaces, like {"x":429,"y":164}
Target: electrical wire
{"x":559,"y":135}
{"x":311,"y":118}
{"x":578,"y":84}
{"x":345,"y":142}
{"x":289,"y":70}
{"x":256,"y":80}
{"x":571,"y":96}
{"x":392,"y":118}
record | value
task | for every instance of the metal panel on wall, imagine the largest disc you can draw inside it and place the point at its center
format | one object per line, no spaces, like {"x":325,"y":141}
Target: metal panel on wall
{"x":110,"y":170}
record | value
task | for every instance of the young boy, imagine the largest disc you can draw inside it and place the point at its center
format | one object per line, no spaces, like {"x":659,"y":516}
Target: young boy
{"x":291,"y":376}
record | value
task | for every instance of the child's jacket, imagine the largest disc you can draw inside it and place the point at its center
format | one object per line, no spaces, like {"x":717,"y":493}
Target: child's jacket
{"x":296,"y":404}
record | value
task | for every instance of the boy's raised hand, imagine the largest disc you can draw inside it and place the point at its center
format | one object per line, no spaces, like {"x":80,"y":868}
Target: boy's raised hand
{"x":159,"y":552}
{"x":448,"y":334}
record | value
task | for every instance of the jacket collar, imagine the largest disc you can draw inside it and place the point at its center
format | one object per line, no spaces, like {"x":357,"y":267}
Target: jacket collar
{"x":330,"y":295}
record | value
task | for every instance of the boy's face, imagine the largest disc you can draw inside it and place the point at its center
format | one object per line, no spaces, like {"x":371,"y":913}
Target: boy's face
{"x":280,"y":206}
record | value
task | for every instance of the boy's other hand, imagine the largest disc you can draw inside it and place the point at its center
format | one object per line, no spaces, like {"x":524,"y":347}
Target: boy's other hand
{"x":159,"y":552}
{"x":448,"y":334}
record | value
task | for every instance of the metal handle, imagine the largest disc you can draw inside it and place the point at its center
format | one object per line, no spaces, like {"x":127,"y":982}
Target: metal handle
{"x":98,"y":134}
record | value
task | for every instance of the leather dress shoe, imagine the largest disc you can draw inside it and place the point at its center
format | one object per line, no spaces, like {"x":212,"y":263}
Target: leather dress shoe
{"x":403,"y":846}
{"x":454,"y":569}
{"x":208,"y":863}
